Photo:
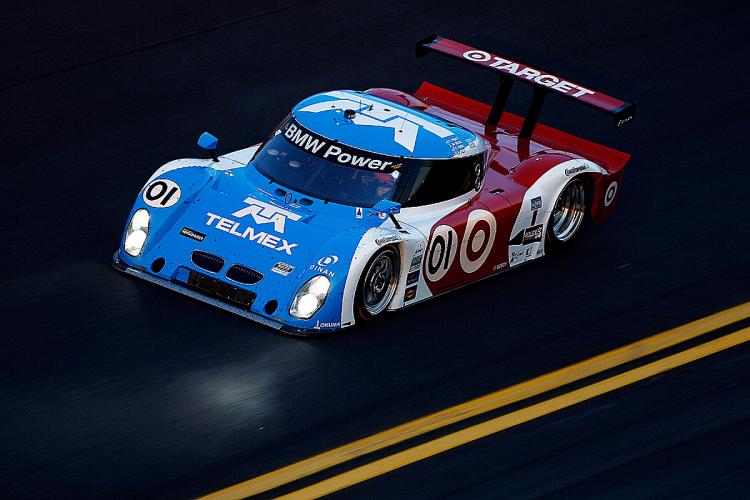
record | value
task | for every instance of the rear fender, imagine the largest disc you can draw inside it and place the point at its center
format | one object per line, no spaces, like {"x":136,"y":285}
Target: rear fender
{"x":527,"y":237}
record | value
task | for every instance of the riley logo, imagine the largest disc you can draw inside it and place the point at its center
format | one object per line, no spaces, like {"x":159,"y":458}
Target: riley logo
{"x":263,"y":213}
{"x":405,"y":125}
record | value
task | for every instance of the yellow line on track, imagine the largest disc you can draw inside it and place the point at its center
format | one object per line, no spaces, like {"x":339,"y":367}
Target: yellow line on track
{"x":478,"y":431}
{"x":483,"y":404}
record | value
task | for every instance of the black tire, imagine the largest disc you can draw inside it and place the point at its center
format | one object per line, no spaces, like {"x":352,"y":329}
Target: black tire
{"x":569,"y":214}
{"x":377,"y":285}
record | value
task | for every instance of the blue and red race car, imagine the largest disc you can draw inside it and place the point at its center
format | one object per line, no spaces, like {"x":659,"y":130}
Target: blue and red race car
{"x":365,"y":202}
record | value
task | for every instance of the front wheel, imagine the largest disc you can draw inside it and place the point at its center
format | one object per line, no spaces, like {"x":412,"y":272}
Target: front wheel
{"x":569,"y":213}
{"x":378,"y":283}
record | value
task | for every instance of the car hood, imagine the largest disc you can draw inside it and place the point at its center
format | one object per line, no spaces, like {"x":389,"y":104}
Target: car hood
{"x":243,"y":218}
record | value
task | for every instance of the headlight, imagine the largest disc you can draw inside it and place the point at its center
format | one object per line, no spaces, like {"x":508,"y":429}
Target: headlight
{"x":310,"y":297}
{"x":137,"y":232}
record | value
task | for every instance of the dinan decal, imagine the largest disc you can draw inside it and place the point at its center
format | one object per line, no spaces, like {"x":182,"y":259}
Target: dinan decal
{"x":323,"y":263}
{"x":264,"y":213}
{"x":161,"y":193}
{"x":190,"y":233}
{"x":249,"y":233}
{"x":328,"y":260}
{"x":441,"y":252}
{"x":478,"y":240}
{"x":406,"y":126}
{"x":518,"y":69}
{"x":609,"y":195}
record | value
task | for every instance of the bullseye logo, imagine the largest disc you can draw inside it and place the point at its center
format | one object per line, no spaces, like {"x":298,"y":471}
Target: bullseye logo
{"x":477,"y":55}
{"x":161,"y":193}
{"x":478,"y":239}
{"x":475,"y":247}
{"x":609,"y":196}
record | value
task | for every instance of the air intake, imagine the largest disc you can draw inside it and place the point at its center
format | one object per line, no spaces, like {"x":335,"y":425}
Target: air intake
{"x":244,"y":275}
{"x":208,"y":261}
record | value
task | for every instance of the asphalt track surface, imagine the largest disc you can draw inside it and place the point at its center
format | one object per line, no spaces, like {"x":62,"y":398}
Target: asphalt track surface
{"x":112,"y":387}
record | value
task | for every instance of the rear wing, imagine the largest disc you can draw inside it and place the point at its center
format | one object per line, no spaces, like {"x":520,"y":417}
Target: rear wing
{"x":541,"y":81}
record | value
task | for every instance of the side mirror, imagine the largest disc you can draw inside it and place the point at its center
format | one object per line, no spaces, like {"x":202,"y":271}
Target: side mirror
{"x":209,"y":142}
{"x":387,"y":207}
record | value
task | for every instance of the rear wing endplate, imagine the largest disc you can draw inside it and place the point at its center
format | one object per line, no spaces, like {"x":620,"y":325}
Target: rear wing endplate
{"x":541,"y":82}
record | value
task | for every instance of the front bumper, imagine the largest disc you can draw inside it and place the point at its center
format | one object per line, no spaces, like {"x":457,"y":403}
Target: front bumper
{"x":179,"y":287}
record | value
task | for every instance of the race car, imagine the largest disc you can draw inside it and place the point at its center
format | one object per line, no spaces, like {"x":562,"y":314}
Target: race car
{"x":363,"y":202}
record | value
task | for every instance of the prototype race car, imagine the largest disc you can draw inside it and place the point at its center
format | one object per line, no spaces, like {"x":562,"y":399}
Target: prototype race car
{"x":364,"y":202}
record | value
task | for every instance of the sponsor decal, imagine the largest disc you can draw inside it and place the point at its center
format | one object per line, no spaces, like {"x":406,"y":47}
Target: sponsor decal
{"x":609,"y":195}
{"x":282,"y":268}
{"x":518,"y":256}
{"x":325,"y":149}
{"x":249,"y":233}
{"x":406,"y":126}
{"x":410,"y":293}
{"x":387,"y":239}
{"x":327,"y":261}
{"x":358,"y":213}
{"x":499,"y":267}
{"x":264,"y":213}
{"x":323,"y":263}
{"x":536,"y":203}
{"x":623,"y":121}
{"x":412,"y":277}
{"x":518,"y":69}
{"x":186,"y":231}
{"x":532,"y":234}
{"x":416,"y":262}
{"x":323,"y":324}
{"x":161,"y":193}
{"x":575,"y":170}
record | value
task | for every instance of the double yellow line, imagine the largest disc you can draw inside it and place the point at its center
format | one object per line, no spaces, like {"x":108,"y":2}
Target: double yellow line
{"x":493,"y":401}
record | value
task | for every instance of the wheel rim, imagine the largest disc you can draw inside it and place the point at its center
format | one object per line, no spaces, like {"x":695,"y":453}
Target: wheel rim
{"x":569,"y":211}
{"x":379,"y":285}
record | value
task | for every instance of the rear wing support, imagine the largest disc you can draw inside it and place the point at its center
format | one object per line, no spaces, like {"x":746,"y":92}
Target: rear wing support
{"x":542,"y":83}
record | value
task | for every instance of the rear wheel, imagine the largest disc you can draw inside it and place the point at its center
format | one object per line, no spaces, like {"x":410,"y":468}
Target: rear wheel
{"x":568,"y":214}
{"x":377,"y":286}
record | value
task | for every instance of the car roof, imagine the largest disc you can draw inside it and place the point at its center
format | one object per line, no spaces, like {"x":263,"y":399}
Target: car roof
{"x":382,"y":126}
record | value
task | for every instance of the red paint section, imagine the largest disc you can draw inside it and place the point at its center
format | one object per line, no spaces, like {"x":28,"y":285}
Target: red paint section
{"x":506,"y":66}
{"x":513,"y":165}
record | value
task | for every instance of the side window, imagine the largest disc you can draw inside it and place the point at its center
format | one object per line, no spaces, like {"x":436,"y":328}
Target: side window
{"x":442,"y":180}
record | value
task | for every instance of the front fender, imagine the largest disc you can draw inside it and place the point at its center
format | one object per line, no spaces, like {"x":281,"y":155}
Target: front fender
{"x":408,"y":241}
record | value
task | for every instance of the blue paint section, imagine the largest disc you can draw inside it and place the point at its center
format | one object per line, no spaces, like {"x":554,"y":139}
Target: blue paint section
{"x":374,"y":124}
{"x":241,"y":217}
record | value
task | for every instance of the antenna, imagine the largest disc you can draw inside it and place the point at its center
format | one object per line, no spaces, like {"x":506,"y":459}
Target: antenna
{"x":403,"y":121}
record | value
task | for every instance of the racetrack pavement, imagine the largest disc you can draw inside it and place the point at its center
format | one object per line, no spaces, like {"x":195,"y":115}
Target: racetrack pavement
{"x":112,"y":387}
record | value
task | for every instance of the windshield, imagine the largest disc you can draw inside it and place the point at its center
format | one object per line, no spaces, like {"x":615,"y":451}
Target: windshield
{"x":299,"y":159}
{"x":306,"y":162}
